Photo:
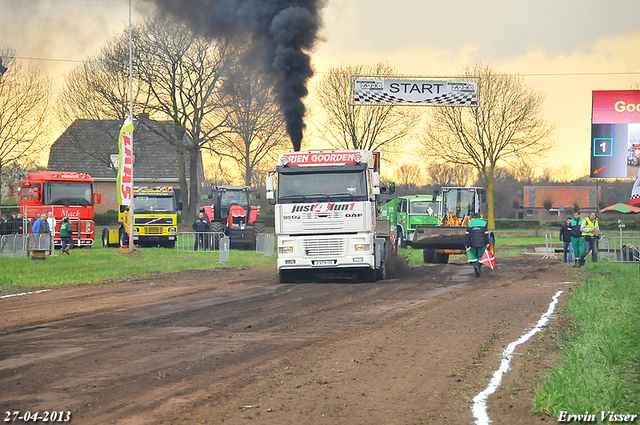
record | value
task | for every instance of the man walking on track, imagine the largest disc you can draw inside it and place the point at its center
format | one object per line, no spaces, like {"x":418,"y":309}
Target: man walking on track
{"x":476,"y":241}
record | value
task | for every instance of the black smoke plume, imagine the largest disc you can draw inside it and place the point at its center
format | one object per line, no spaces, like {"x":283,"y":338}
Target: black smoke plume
{"x":284,"y":30}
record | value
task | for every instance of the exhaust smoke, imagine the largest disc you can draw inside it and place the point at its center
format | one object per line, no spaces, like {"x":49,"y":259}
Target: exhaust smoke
{"x":281,"y":31}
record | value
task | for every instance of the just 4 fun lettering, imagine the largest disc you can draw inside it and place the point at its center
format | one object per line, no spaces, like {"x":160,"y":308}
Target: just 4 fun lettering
{"x":605,"y":415}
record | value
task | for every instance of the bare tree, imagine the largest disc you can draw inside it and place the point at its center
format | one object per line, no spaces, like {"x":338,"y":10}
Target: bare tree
{"x":359,"y":126}
{"x":184,"y":72}
{"x":444,"y":174}
{"x":98,"y":90}
{"x":24,"y":102}
{"x":255,"y":128}
{"x":505,"y":127}
{"x":409,"y":176}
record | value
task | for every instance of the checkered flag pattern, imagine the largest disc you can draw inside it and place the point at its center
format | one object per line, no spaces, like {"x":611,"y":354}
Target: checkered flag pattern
{"x":445,"y":99}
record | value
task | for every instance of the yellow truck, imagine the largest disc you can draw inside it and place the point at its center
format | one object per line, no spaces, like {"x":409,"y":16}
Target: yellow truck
{"x":155,"y":219}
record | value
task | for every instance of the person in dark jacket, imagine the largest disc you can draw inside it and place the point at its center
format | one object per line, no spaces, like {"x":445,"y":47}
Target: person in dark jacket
{"x":66,"y":236}
{"x":476,"y":241}
{"x":565,"y":237}
{"x":576,"y":236}
{"x":201,"y":225}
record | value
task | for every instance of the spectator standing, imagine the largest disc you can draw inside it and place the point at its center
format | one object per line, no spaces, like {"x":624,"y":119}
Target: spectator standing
{"x":51,"y":221}
{"x":41,"y":227}
{"x":201,"y":225}
{"x":66,"y":234}
{"x":576,"y":236}
{"x":565,"y":236}
{"x":590,"y":229}
{"x":476,"y":241}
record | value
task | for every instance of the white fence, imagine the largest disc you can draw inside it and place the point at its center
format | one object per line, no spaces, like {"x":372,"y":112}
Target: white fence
{"x":204,"y":242}
{"x":265,"y":243}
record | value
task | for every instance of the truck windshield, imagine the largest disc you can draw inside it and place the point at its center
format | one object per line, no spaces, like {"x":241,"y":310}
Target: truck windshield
{"x":323,"y":186}
{"x":423,"y":207}
{"x":154,"y":204}
{"x":460,"y":201}
{"x":68,"y":194}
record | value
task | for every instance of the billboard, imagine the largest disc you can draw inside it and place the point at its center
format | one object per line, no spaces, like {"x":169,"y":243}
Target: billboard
{"x":615,"y":134}
{"x":415,"y":91}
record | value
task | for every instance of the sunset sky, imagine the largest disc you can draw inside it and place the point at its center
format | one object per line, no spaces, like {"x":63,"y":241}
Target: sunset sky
{"x":566,"y":49}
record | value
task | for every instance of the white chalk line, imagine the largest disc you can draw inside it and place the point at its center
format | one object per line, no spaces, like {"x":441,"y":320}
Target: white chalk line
{"x":24,"y":293}
{"x":479,"y":408}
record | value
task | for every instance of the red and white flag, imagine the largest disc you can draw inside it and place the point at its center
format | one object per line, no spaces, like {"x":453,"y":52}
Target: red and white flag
{"x":635,"y":192}
{"x":488,"y":259}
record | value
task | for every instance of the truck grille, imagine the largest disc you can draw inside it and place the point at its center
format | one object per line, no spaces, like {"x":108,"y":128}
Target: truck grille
{"x":324,"y":247}
{"x":329,"y":221}
{"x":152,"y":230}
{"x":162,"y":220}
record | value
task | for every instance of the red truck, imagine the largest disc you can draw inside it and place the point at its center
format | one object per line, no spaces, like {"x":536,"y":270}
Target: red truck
{"x":67,"y":194}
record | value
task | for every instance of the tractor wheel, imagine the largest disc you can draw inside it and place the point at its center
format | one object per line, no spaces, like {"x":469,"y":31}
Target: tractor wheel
{"x":258,"y":227}
{"x":428,"y":255}
{"x":217,"y":227}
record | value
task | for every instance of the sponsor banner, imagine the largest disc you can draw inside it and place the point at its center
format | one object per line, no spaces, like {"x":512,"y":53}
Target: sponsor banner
{"x":125,"y":164}
{"x":323,"y":158}
{"x":323,"y":207}
{"x":391,"y":90}
{"x":616,"y":107}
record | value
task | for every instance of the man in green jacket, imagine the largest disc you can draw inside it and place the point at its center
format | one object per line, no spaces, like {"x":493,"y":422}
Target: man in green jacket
{"x":576,"y":236}
{"x":66,"y":236}
{"x":476,"y":241}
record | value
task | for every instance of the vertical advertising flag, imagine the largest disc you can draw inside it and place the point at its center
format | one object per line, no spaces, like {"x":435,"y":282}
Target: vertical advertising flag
{"x":635,"y":192}
{"x":125,"y":164}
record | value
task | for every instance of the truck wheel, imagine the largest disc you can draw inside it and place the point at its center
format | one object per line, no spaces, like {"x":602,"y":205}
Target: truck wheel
{"x":381,"y":273}
{"x":123,"y":239}
{"x":441,"y":258}
{"x":402,"y":242}
{"x":428,"y":255}
{"x":287,"y":276}
{"x":105,"y":238}
{"x":368,"y":275}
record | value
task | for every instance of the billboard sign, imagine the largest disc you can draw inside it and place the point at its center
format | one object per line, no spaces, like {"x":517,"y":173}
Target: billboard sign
{"x":418,"y":91}
{"x":615,"y":134}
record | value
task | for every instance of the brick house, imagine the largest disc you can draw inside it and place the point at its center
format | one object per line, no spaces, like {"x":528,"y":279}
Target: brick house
{"x":561,"y":199}
{"x":91,"y":147}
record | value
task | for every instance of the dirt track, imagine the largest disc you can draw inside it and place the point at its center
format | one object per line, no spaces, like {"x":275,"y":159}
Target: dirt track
{"x":234,"y":346}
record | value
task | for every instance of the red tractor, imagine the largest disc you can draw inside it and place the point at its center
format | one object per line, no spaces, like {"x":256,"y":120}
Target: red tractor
{"x":231,"y":213}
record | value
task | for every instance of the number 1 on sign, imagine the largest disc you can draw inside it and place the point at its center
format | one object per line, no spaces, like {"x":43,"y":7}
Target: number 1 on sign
{"x":603,"y":146}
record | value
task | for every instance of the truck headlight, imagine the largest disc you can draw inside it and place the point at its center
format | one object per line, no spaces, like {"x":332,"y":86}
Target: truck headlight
{"x":172,"y":230}
{"x":285,"y":250}
{"x":362,"y":247}
{"x":135,"y":230}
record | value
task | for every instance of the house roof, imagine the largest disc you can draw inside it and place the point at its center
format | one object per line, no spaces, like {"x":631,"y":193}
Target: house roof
{"x":88,"y":146}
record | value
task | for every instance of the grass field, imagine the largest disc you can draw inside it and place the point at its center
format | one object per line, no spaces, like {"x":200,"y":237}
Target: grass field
{"x":100,"y":264}
{"x":600,"y":365}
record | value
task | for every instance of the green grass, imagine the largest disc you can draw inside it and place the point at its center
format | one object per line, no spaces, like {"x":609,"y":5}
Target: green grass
{"x":600,"y":365}
{"x":99,"y":264}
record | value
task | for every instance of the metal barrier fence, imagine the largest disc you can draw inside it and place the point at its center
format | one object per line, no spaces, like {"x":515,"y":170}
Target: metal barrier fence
{"x":21,"y":245}
{"x":265,"y":243}
{"x":620,"y":249}
{"x":549,"y":251}
{"x":204,"y":242}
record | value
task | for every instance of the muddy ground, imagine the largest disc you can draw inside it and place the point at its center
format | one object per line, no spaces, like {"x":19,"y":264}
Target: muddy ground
{"x":235,"y":346}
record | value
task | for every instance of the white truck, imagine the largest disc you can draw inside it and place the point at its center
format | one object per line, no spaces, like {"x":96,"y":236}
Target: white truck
{"x":325,"y":214}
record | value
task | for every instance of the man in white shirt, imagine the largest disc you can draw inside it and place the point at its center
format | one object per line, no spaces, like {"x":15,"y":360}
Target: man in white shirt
{"x":52,"y":222}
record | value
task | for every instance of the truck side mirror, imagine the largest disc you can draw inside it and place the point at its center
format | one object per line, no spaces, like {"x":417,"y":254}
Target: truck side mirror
{"x":269,"y":184}
{"x":180,"y":206}
{"x":97,"y":198}
{"x":392,"y":188}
